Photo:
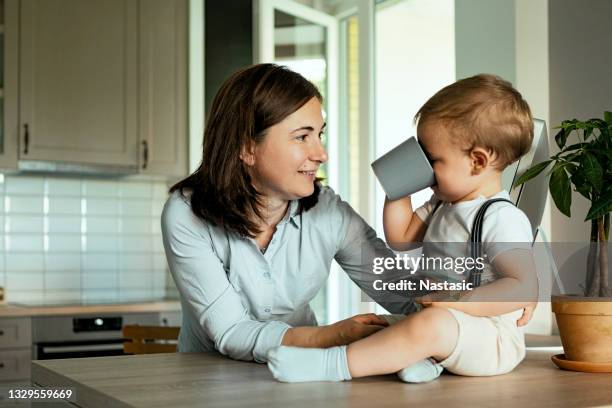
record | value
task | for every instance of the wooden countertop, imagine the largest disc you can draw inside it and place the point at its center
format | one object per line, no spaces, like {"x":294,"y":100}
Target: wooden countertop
{"x":188,"y":380}
{"x":9,"y":310}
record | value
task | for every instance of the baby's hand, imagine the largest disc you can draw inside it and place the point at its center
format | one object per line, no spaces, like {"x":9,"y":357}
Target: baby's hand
{"x":527,"y":314}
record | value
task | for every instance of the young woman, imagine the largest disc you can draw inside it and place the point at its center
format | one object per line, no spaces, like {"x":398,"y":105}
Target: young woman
{"x":251,"y":234}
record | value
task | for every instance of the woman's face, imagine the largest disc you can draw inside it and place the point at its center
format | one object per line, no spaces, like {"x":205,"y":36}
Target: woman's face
{"x":284,"y":165}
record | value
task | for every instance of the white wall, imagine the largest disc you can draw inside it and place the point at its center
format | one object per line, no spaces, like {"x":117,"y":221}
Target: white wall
{"x":485,"y":38}
{"x":563,"y":60}
{"x":580,"y":83}
{"x":415,"y":57}
{"x":563,"y":65}
{"x":532,"y":73}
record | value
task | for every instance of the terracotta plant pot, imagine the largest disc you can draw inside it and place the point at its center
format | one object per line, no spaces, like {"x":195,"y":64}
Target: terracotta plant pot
{"x":585,"y":326}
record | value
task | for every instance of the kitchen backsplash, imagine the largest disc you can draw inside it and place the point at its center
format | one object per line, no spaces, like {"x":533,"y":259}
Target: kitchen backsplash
{"x":66,"y":240}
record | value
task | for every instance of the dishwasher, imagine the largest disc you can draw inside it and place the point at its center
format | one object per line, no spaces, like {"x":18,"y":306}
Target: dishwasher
{"x":56,"y":337}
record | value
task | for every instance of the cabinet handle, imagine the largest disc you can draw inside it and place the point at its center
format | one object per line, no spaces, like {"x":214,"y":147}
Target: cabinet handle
{"x":1,"y":364}
{"x":26,"y":138}
{"x":145,"y":154}
{"x":1,"y":332}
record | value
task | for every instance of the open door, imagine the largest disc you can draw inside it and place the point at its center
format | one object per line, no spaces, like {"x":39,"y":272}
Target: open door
{"x":306,"y":41}
{"x":314,"y":43}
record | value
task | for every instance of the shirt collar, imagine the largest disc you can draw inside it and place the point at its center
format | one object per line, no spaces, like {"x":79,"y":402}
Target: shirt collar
{"x":292,"y":213}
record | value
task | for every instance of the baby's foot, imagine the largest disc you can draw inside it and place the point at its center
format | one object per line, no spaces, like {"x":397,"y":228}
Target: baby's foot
{"x":420,"y":372}
{"x":296,"y":364}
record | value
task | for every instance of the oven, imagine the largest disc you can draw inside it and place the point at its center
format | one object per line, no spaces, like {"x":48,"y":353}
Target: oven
{"x":56,"y":337}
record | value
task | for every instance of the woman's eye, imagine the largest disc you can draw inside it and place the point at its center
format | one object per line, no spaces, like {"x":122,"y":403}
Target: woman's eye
{"x":301,"y":138}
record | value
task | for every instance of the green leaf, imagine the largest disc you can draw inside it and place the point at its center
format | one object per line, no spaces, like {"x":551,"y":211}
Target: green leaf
{"x":600,"y":207}
{"x":575,"y":146}
{"x":596,"y":123}
{"x":569,"y":124}
{"x":582,"y":125}
{"x":571,"y":169}
{"x":580,"y":184}
{"x":561,"y":138}
{"x":573,"y":157}
{"x":608,"y":117}
{"x":606,"y":136}
{"x":592,"y":170}
{"x":532,"y":172}
{"x":560,"y":190}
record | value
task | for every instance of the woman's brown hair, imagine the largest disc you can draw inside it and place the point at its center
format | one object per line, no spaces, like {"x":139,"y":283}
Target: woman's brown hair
{"x":248,"y":103}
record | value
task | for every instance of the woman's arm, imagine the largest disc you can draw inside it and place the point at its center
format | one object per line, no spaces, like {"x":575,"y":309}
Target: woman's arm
{"x":337,"y":334}
{"x":218,"y":309}
{"x":357,"y":246}
{"x":401,"y":224}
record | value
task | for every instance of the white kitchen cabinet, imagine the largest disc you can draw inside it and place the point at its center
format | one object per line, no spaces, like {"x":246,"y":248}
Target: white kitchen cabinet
{"x":15,"y":348}
{"x":173,"y":318}
{"x":101,"y":83}
{"x":9,"y":43}
{"x":78,"y":81}
{"x":163,"y":87}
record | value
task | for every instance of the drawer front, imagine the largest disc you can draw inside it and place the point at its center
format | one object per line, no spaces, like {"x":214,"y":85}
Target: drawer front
{"x":15,"y":364}
{"x":170,"y":318}
{"x":15,"y":333}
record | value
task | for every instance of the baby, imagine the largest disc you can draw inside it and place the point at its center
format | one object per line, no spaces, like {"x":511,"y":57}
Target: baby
{"x":470,"y":130}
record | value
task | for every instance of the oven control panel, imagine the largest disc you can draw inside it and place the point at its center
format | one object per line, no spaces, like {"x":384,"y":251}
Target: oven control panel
{"x":90,"y":324}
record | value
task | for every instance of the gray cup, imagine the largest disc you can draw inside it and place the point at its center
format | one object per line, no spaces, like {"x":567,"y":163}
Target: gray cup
{"x":404,"y":170}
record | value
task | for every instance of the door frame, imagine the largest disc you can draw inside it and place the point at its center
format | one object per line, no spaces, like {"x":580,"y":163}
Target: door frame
{"x":338,"y":286}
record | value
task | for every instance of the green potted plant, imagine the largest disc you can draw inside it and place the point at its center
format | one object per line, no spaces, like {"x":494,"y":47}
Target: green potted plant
{"x":584,"y":162}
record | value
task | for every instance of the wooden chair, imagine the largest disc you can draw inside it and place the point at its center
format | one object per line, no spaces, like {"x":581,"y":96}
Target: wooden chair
{"x":149,"y":339}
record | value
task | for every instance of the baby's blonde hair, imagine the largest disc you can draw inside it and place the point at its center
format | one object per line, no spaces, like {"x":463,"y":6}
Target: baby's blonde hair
{"x":483,"y":111}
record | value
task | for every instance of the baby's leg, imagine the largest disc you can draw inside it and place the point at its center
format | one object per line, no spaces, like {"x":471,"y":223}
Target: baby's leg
{"x":422,"y":371}
{"x":431,"y":332}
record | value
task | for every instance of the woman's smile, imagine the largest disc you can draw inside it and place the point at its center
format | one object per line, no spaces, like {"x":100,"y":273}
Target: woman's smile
{"x":310,"y":174}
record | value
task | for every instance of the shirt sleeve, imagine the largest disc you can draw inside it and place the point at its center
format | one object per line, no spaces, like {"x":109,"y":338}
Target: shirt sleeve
{"x":424,"y":212}
{"x":357,"y":247}
{"x":505,"y":227}
{"x":206,"y":292}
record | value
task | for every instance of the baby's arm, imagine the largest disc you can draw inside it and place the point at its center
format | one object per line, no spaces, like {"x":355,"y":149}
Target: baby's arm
{"x":401,"y":224}
{"x":516,"y":289}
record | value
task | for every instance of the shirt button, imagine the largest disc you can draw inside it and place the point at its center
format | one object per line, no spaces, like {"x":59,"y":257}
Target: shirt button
{"x":267,"y":275}
{"x":267,"y":310}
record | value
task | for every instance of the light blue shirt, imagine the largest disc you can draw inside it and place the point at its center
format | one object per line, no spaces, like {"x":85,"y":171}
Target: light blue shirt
{"x":241,"y":302}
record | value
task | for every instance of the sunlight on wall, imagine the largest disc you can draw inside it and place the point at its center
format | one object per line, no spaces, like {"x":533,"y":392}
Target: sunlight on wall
{"x":415,"y":57}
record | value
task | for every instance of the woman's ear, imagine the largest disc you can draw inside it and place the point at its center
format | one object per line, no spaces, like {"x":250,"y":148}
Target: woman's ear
{"x":247,"y":154}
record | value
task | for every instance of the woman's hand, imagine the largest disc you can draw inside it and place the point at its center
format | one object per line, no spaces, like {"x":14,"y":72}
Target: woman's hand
{"x":352,"y":329}
{"x":338,"y":334}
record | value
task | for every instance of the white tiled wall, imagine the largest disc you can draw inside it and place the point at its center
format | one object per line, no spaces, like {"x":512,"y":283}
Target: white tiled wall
{"x":68,"y":240}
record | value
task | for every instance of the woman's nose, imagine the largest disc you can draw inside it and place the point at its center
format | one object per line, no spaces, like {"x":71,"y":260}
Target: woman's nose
{"x":318,"y":152}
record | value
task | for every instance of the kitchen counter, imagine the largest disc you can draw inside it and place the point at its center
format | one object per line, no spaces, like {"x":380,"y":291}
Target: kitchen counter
{"x":16,"y":310}
{"x":188,"y":380}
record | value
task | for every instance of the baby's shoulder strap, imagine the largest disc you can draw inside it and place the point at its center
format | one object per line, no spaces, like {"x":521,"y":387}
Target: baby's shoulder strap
{"x":476,"y":237}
